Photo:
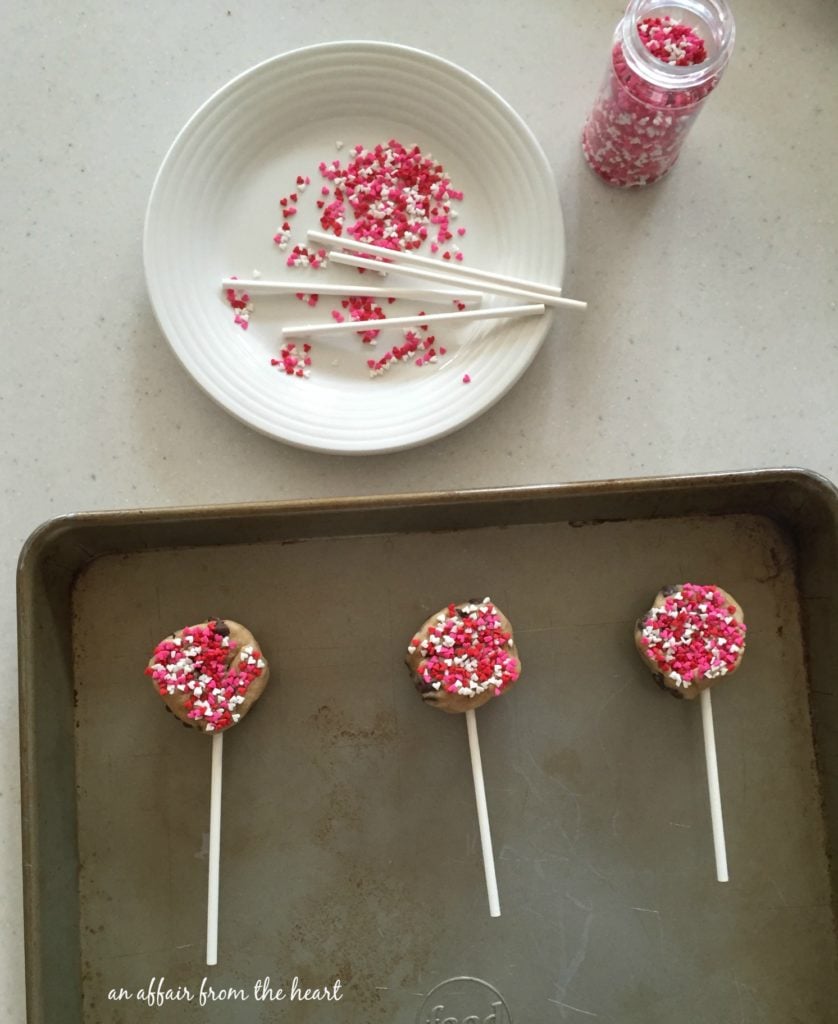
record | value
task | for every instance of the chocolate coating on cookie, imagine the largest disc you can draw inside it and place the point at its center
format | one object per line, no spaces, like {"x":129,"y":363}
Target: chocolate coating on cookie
{"x":691,"y":637}
{"x":464,"y":655}
{"x":209,"y":675}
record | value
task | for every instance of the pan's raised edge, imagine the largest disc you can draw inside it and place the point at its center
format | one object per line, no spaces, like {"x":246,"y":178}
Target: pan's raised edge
{"x":46,"y":567}
{"x":597,"y":500}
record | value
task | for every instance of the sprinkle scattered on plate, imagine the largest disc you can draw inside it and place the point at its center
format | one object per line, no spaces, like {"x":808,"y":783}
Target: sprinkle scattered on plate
{"x":215,"y":211}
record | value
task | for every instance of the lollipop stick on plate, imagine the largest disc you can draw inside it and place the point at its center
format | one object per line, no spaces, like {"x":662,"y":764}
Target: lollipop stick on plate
{"x":399,"y":258}
{"x":459,"y":659}
{"x":260,"y":286}
{"x":692,"y":637}
{"x":209,"y":676}
{"x":416,"y":320}
{"x":443,"y":274}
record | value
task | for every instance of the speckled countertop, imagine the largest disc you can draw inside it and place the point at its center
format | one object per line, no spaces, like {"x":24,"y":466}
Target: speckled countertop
{"x":710,"y":343}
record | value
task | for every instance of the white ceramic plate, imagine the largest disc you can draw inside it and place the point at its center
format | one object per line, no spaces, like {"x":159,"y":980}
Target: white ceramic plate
{"x":214,"y":209}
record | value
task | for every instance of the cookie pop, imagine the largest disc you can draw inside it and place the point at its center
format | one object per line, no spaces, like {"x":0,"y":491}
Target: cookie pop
{"x":460,"y":658}
{"x":210,"y":676}
{"x":691,"y":637}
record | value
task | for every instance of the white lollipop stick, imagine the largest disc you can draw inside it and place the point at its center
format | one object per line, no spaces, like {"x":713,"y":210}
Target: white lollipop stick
{"x":483,"y":815}
{"x":492,"y":313}
{"x":713,"y":786}
{"x":214,"y":849}
{"x":443,"y":274}
{"x":408,"y":259}
{"x":261,"y":286}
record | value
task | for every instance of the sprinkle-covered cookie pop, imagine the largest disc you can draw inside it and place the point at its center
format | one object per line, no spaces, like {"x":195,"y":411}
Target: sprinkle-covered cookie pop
{"x":209,"y":676}
{"x":691,"y":637}
{"x":463,"y":656}
{"x":459,"y":659}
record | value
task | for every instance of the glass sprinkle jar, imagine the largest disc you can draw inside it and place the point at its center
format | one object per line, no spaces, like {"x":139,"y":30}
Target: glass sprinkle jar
{"x":666,"y":59}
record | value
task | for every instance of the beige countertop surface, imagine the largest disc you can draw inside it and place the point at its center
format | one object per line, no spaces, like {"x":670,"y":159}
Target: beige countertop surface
{"x":710,"y":342}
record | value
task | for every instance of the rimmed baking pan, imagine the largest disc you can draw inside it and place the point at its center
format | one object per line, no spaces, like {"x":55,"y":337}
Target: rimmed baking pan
{"x":349,"y":840}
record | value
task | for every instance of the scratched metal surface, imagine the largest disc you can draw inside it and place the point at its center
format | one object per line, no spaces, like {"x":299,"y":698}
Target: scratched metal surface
{"x":350,"y":846}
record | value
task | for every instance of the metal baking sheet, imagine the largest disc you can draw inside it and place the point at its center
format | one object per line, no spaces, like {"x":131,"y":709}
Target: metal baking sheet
{"x":350,"y":849}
